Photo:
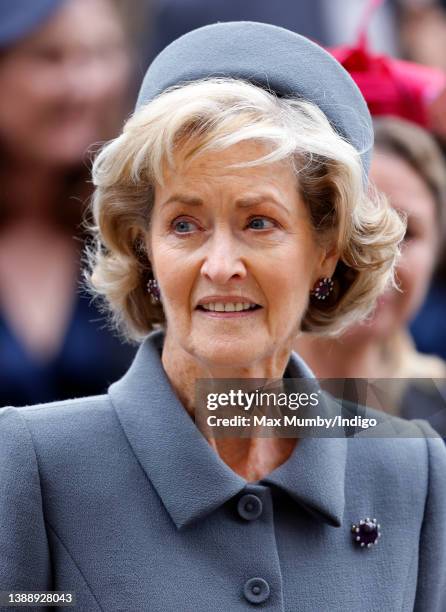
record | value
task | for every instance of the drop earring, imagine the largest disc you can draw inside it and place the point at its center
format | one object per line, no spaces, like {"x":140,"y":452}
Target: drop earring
{"x":154,"y":291}
{"x":322,"y":288}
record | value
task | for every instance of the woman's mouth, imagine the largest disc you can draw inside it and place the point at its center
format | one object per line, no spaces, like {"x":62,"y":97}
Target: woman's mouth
{"x":228,"y":309}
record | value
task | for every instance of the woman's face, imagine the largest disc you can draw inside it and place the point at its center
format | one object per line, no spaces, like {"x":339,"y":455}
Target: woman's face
{"x":408,"y":193}
{"x":229,"y":238}
{"x":62,"y":88}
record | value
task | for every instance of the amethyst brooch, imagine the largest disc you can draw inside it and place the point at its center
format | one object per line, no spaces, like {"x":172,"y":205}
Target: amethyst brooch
{"x":366,"y":533}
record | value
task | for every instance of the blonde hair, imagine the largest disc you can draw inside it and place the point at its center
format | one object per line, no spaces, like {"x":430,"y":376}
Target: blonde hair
{"x":214,"y":114}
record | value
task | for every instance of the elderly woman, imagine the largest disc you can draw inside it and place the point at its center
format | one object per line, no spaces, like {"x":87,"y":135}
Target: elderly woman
{"x":236,"y":190}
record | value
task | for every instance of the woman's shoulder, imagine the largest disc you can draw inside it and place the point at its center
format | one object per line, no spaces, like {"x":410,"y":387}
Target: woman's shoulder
{"x":56,"y":427}
{"x":64,"y":411}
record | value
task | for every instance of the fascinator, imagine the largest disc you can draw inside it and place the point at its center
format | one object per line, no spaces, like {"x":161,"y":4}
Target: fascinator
{"x":389,"y":85}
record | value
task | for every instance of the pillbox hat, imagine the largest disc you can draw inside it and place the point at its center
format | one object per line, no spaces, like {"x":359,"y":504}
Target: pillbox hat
{"x":271,"y":57}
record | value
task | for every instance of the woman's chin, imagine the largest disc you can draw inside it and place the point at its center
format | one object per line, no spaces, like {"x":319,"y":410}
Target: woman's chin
{"x":230,"y":354}
{"x":228,"y":359}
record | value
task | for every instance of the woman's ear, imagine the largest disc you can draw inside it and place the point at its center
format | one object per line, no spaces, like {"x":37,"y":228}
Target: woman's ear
{"x":327,"y":263}
{"x":331,"y":260}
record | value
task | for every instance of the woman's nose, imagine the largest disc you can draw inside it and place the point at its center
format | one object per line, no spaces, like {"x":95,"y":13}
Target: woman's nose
{"x":223,"y":259}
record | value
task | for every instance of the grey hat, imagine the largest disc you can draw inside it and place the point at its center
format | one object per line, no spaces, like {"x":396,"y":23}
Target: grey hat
{"x":271,"y":57}
{"x":18,"y":18}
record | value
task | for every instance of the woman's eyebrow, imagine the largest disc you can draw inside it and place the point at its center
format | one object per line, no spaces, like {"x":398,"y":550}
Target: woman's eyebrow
{"x":184,"y":199}
{"x":250,"y":201}
{"x":244,"y":202}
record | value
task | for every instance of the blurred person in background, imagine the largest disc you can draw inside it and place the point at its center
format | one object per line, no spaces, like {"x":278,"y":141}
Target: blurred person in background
{"x":423,"y":31}
{"x":408,"y":167}
{"x":65,"y":67}
{"x":416,"y":92}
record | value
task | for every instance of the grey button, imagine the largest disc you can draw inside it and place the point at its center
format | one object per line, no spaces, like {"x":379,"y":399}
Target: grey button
{"x":250,"y":507}
{"x":256,"y":590}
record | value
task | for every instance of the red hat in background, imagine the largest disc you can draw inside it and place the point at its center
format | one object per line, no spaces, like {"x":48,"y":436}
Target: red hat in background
{"x":391,"y":86}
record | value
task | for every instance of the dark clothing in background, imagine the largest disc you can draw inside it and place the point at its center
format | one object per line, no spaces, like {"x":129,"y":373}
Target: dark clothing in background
{"x":89,"y":359}
{"x":429,"y":327}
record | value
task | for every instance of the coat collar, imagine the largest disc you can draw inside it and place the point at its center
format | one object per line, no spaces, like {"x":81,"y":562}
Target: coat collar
{"x":188,"y":475}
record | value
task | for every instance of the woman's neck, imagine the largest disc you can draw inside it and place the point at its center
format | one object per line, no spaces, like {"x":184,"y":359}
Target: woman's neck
{"x":183,"y":369}
{"x":251,"y":458}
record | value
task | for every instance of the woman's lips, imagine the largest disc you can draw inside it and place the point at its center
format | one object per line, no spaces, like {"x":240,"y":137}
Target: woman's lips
{"x":229,"y":315}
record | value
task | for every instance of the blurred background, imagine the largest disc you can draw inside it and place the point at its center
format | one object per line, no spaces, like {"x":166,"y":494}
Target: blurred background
{"x":69,"y":74}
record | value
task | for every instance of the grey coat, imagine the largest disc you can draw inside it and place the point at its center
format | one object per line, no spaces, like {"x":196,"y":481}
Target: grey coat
{"x":120,"y":499}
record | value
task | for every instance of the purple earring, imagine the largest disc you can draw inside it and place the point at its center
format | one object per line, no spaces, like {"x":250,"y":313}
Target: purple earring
{"x":322,"y":288}
{"x":154,"y":291}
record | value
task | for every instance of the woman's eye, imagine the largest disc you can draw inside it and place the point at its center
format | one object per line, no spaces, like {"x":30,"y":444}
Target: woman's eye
{"x":184,"y":226}
{"x":260,"y":223}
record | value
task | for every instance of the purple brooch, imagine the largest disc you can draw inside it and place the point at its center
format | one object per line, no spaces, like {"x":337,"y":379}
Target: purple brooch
{"x":366,"y":533}
{"x":323,"y":288}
